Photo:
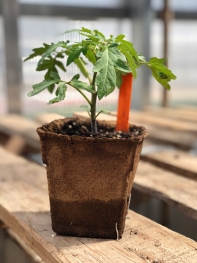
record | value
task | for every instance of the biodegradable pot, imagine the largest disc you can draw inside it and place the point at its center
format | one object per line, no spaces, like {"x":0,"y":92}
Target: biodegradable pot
{"x":89,"y":180}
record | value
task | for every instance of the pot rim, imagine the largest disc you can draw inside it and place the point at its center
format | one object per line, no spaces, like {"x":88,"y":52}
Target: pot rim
{"x":50,"y":130}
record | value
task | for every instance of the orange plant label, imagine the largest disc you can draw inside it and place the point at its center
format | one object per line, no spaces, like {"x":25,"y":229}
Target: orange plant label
{"x":124,"y":102}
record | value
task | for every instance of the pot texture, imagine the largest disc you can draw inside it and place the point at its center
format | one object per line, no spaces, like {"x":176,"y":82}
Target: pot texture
{"x":89,"y":180}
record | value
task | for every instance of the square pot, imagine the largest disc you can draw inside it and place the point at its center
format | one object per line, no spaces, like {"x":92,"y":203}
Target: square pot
{"x":89,"y":179}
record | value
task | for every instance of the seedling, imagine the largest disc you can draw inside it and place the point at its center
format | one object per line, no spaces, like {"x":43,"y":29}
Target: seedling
{"x":111,"y":59}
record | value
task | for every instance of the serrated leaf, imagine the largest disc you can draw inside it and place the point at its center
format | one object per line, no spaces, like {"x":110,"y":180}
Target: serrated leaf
{"x":81,"y":67}
{"x":131,"y":62}
{"x":160,"y":72}
{"x":90,"y":56}
{"x":37,"y":52}
{"x":37,"y":88}
{"x":83,"y":29}
{"x":74,"y":54}
{"x":81,"y":85}
{"x":60,"y":65}
{"x":106,"y":79}
{"x":99,"y":33}
{"x":54,"y":75}
{"x":118,"y":79}
{"x":108,"y":60}
{"x":119,"y":38}
{"x":128,"y":48}
{"x":51,"y":49}
{"x":75,"y":77}
{"x":141,"y":58}
{"x":60,"y":93}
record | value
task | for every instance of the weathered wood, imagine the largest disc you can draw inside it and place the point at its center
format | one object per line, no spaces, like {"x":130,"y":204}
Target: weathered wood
{"x":16,"y":144}
{"x":47,"y":118}
{"x":167,"y":186}
{"x":2,"y":225}
{"x":16,"y":125}
{"x":30,"y":252}
{"x":173,"y":113}
{"x":176,"y":161}
{"x":147,"y":118}
{"x":24,"y":207}
{"x":179,"y":139}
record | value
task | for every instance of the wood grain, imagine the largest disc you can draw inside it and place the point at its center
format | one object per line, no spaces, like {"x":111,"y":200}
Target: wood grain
{"x":173,"y":113}
{"x":14,"y":124}
{"x":24,"y":207}
{"x":167,"y":186}
{"x":174,"y":160}
{"x":177,"y":138}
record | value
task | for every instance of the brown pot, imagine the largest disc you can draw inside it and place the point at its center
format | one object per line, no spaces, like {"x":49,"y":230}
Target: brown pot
{"x":89,"y":180}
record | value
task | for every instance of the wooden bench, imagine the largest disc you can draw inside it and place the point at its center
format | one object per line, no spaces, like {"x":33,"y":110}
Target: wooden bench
{"x":178,"y":133}
{"x":18,"y":132}
{"x":161,"y":184}
{"x":24,"y":207}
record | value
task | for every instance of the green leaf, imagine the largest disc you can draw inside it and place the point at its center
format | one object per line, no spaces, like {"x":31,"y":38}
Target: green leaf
{"x":160,"y":72}
{"x":74,"y":54}
{"x":109,"y":59}
{"x":37,"y":88}
{"x":118,"y":79}
{"x":118,"y":59}
{"x":131,"y":55}
{"x":119,"y":38}
{"x":51,"y":49}
{"x":81,"y":85}
{"x":106,"y":79}
{"x":54,"y":75}
{"x":90,"y":56}
{"x":60,"y":93}
{"x":131,"y":62}
{"x":60,"y":65}
{"x":37,"y":52}
{"x":81,"y":67}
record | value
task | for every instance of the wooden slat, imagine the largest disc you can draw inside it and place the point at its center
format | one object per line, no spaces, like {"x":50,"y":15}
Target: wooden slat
{"x":47,"y":118}
{"x":24,"y":207}
{"x":179,"y":139}
{"x":173,"y":113}
{"x":147,"y":118}
{"x":167,"y":186}
{"x":176,"y":161}
{"x":16,"y":125}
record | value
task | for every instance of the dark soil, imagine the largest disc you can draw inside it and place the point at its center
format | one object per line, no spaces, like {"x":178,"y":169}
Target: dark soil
{"x":75,"y":127}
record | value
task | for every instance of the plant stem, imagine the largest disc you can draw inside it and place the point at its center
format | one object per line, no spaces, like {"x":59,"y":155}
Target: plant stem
{"x":93,"y":113}
{"x":93,"y":107}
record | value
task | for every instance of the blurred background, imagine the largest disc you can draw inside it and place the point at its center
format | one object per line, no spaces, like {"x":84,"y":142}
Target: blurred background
{"x":162,"y":28}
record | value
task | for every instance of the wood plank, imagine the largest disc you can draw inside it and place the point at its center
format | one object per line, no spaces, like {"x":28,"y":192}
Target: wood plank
{"x":14,"y":125}
{"x":179,"y":139}
{"x":176,"y":161}
{"x":167,"y":186}
{"x":24,"y":207}
{"x":47,"y":118}
{"x":146,"y":118}
{"x":173,"y":113}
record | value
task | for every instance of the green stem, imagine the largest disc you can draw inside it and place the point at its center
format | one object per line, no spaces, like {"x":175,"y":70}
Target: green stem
{"x":93,"y":107}
{"x":85,"y":97}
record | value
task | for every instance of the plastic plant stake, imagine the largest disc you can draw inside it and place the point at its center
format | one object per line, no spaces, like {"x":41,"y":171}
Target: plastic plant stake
{"x":124,"y":103}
